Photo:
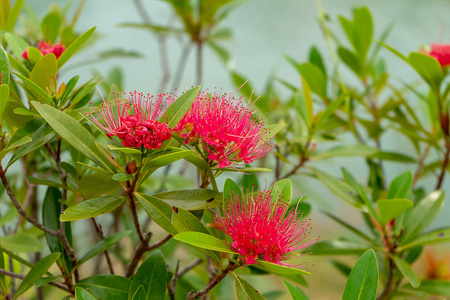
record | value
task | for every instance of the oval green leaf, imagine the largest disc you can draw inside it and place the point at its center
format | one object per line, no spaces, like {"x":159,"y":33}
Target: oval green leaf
{"x":363,"y":280}
{"x":91,"y":208}
{"x":204,"y":241}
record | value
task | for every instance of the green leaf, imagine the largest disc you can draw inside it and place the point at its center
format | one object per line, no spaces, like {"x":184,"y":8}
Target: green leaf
{"x":169,"y":156}
{"x":45,"y":280}
{"x":16,"y":64}
{"x":159,"y":211}
{"x":176,"y":111}
{"x":363,"y":280}
{"x":73,"y":48}
{"x":151,"y":275}
{"x":122,"y":177}
{"x":13,"y":14}
{"x":315,"y":78}
{"x":296,"y":293}
{"x":400,"y":186}
{"x":82,"y":294}
{"x":139,"y":294}
{"x":13,"y":145}
{"x":35,"y":88}
{"x":273,"y":129}
{"x":245,"y":290}
{"x":406,"y":270}
{"x":191,"y":199}
{"x":434,"y":287}
{"x":306,"y":104}
{"x":21,"y":242}
{"x":43,"y":135}
{"x":163,"y":158}
{"x":422,"y":215}
{"x":279,"y":269}
{"x":393,"y":156}
{"x":43,"y":73}
{"x":230,"y":188}
{"x":16,"y":43}
{"x":3,"y":285}
{"x":34,"y":55}
{"x":351,"y":60}
{"x":51,"y":26}
{"x":5,"y":68}
{"x":204,"y":241}
{"x":91,"y":208}
{"x":369,"y":205}
{"x":74,"y":133}
{"x":323,"y":116}
{"x":282,"y":189}
{"x":389,"y":209}
{"x":338,"y":187}
{"x":184,"y":221}
{"x":51,"y":209}
{"x":434,"y":237}
{"x":346,"y":151}
{"x":4,"y":98}
{"x":102,"y":246}
{"x":363,"y":31}
{"x":96,"y":185}
{"x":106,"y":286}
{"x":428,"y":68}
{"x":36,"y":272}
{"x":337,"y":247}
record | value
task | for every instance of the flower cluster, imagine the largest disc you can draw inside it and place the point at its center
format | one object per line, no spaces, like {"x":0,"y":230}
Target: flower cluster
{"x":225,"y":128}
{"x":46,"y":48}
{"x":134,"y":120}
{"x":261,"y":228}
{"x":441,"y":52}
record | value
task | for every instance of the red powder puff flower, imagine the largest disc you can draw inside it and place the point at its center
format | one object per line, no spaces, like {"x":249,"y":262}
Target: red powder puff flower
{"x":46,"y":48}
{"x":441,"y":52}
{"x":134,"y":120}
{"x":225,"y":128}
{"x":263,"y":229}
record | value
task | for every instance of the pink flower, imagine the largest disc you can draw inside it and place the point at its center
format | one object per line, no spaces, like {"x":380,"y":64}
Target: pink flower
{"x":225,"y":129}
{"x":134,"y":120}
{"x":263,"y":229}
{"x":441,"y":52}
{"x":46,"y":48}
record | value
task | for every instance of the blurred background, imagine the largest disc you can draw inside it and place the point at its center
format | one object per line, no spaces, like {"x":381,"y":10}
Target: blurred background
{"x":253,"y":40}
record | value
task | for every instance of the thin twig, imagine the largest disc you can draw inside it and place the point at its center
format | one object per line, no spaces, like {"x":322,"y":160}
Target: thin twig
{"x":19,"y":208}
{"x":140,"y":250}
{"x":420,"y":166}
{"x":231,"y":267}
{"x":56,"y":155}
{"x":99,"y":230}
{"x":20,"y":276}
{"x":31,"y":188}
{"x":444,"y":164}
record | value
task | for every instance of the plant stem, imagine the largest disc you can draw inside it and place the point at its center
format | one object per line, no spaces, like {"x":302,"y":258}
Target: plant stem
{"x":173,"y":282}
{"x":56,"y":155}
{"x":20,"y":276}
{"x":99,"y":230}
{"x":140,"y":250}
{"x":231,"y":267}
{"x":444,"y":164}
{"x":19,"y":209}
